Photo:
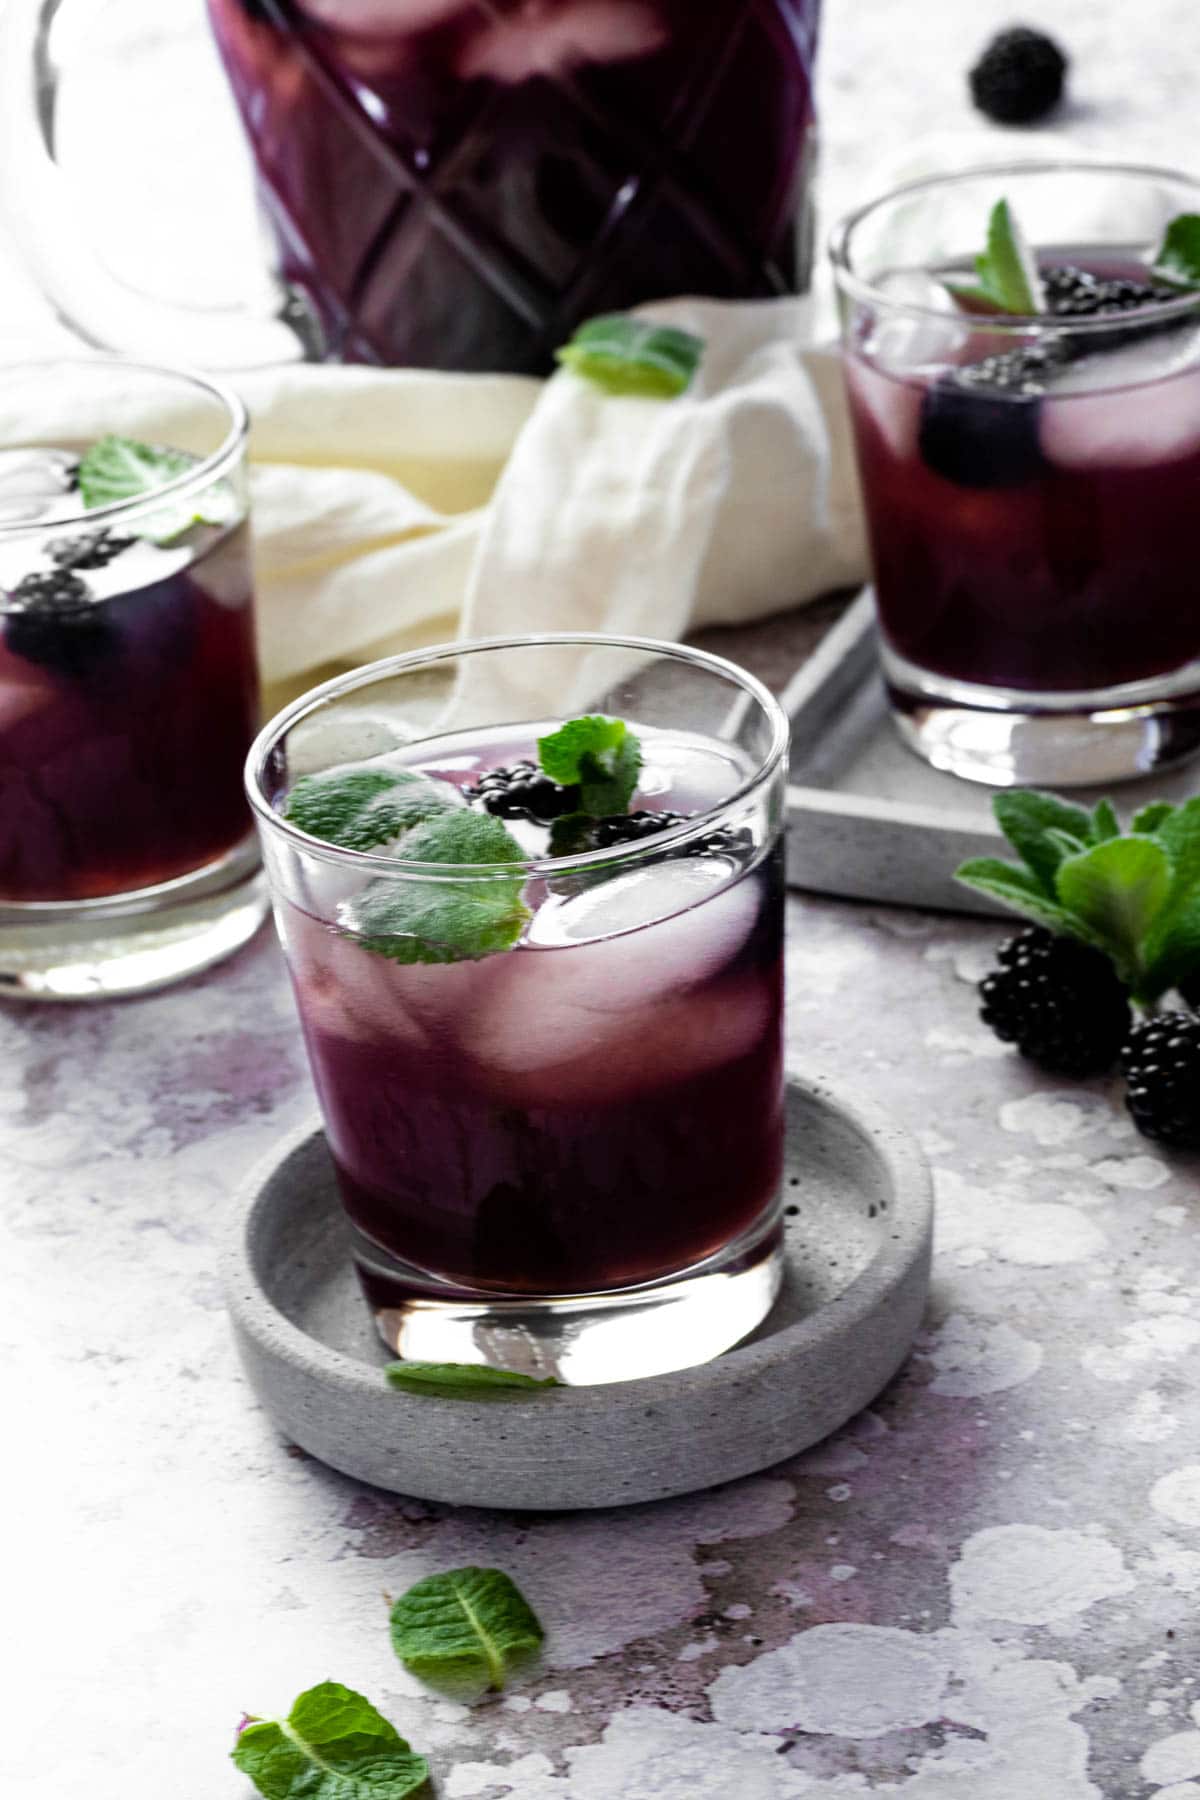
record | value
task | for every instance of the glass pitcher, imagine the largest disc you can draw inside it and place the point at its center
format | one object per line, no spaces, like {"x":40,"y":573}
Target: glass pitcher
{"x":449,"y":184}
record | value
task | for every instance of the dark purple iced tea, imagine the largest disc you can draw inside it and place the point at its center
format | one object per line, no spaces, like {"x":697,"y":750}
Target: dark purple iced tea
{"x":126,"y":709}
{"x":456,"y":186}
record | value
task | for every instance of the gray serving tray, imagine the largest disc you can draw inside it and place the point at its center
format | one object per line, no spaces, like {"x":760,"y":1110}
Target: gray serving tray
{"x":858,"y":1225}
{"x":866,"y":818}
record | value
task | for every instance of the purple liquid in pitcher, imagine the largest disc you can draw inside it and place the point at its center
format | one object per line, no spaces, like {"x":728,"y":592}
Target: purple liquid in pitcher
{"x":1046,"y":544}
{"x":456,"y":185}
{"x":123,"y":730}
{"x":565,"y":1115}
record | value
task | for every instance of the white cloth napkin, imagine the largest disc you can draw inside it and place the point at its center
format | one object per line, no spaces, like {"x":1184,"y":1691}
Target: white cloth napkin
{"x":399,"y":508}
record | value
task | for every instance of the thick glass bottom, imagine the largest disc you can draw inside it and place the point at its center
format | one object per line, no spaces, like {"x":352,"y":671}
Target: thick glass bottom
{"x":132,"y":943}
{"x":581,"y":1339}
{"x":1011,"y":739}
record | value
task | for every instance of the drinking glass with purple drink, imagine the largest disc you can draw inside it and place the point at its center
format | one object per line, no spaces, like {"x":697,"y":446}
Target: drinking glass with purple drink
{"x":538,"y":965}
{"x":128,"y":690}
{"x":1028,"y":434}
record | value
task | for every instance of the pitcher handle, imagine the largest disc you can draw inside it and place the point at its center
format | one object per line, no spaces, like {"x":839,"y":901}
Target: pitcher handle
{"x":49,"y":220}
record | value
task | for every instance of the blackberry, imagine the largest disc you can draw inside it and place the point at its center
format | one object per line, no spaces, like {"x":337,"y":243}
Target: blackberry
{"x":631,"y":828}
{"x":522,"y":791}
{"x":1019,"y":77}
{"x":54,"y":619}
{"x":1073,"y":293}
{"x":1059,"y":1001}
{"x":90,"y":550}
{"x":979,"y":425}
{"x":1161,"y":1066}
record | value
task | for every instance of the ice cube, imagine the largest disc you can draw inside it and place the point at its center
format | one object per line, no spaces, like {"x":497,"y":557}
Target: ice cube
{"x":1125,"y":408}
{"x":928,"y":337}
{"x":383,"y":18}
{"x":893,"y":406}
{"x":34,"y":483}
{"x":540,"y":38}
{"x":332,"y":740}
{"x":585,"y":996}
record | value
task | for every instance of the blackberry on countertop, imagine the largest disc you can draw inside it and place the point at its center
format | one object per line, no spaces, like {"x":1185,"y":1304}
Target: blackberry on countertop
{"x":1059,"y":1001}
{"x":522,"y":791}
{"x":54,"y":619}
{"x":90,"y":550}
{"x":1019,"y":77}
{"x":1161,"y":1065}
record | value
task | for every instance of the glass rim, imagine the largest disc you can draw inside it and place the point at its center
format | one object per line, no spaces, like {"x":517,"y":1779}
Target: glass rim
{"x":367,"y":862}
{"x":858,"y":288}
{"x":208,"y":469}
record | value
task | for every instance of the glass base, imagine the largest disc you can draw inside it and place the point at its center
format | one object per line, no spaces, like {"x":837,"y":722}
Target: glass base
{"x":132,"y":943}
{"x":1062,"y":740}
{"x":581,"y":1339}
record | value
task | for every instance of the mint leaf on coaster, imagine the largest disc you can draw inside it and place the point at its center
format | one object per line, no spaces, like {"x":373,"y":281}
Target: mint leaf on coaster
{"x":333,"y":1745}
{"x":464,"y":1629}
{"x":360,"y":809}
{"x":1019,"y":891}
{"x":597,"y":754}
{"x":465,"y":1381}
{"x":419,"y":920}
{"x":1007,"y":269}
{"x":119,"y":468}
{"x":1178,"y":258}
{"x":624,"y":355}
{"x":1025,"y":816}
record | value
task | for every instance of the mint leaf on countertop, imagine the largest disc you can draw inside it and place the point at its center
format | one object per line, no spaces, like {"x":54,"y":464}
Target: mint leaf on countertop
{"x":464,"y":1629}
{"x":462,"y":1381}
{"x":116,"y":469}
{"x":360,"y":809}
{"x":1134,"y":895}
{"x":333,"y":1745}
{"x":624,"y":355}
{"x":597,"y":754}
{"x":1178,"y":257}
{"x":415,"y":919}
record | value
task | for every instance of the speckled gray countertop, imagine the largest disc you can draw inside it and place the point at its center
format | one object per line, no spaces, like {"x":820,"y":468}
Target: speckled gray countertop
{"x":983,"y":1589}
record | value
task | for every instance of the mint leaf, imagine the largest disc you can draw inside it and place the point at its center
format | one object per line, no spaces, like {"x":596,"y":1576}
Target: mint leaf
{"x":415,"y":920}
{"x":624,"y":355}
{"x":1021,"y":892}
{"x":1025,"y":815}
{"x":1007,"y":270}
{"x":597,"y":754}
{"x":1064,"y":843}
{"x":464,"y":1628}
{"x":1178,"y":258}
{"x":360,"y":809}
{"x":1117,"y":888}
{"x":1171,"y":952}
{"x":116,"y":469}
{"x":1105,"y":823}
{"x":333,"y":1745}
{"x":1149,"y":818}
{"x":460,"y":1380}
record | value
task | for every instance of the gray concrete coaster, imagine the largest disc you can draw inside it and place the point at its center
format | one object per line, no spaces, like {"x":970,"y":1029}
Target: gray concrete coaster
{"x":858,"y":1229}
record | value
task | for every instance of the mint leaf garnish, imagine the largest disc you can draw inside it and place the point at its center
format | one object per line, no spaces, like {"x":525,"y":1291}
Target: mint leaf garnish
{"x":360,"y":809}
{"x":333,"y":1745}
{"x":1007,"y":269}
{"x":1178,"y":257}
{"x":120,"y":468}
{"x":1134,"y":895}
{"x":597,"y":754}
{"x":415,"y":920}
{"x":464,"y":1629}
{"x":463,"y":1380}
{"x":624,"y":355}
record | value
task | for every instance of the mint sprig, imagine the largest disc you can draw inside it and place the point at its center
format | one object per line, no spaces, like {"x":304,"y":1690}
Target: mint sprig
{"x":333,"y":1745}
{"x":1178,"y":257}
{"x":464,"y":1629}
{"x":1134,"y":895}
{"x":462,"y":1381}
{"x":117,"y":469}
{"x":1007,"y":269}
{"x":597,"y":754}
{"x":624,"y":355}
{"x":360,"y":809}
{"x":418,"y":920}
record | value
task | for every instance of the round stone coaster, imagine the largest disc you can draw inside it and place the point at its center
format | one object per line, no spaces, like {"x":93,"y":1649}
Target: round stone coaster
{"x":858,"y":1227}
